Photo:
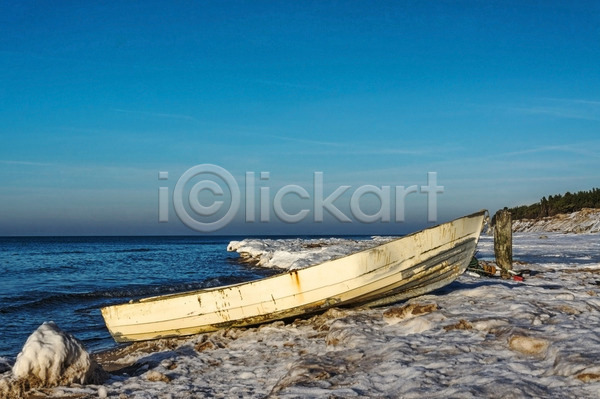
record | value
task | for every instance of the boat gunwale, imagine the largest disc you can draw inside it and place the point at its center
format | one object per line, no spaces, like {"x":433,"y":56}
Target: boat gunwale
{"x":278,"y":275}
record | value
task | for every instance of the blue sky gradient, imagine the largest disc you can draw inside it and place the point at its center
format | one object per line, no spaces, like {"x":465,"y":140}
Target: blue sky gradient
{"x":501,"y":99}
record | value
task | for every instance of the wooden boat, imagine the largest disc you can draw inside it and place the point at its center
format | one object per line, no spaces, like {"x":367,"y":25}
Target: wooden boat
{"x":405,"y":267}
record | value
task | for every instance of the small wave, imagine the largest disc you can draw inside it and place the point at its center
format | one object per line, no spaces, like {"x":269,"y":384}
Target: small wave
{"x":121,"y":251}
{"x":91,"y":251}
{"x":72,"y":252}
{"x":59,"y":298}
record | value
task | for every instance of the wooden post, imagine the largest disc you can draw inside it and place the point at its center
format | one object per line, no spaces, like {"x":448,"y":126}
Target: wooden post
{"x":503,"y":241}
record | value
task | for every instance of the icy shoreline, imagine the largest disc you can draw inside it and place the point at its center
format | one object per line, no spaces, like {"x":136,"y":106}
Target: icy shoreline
{"x":297,"y":253}
{"x":477,"y":337}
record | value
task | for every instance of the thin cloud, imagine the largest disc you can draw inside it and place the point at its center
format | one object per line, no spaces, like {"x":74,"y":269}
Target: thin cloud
{"x":383,"y":149}
{"x":484,"y":182}
{"x":24,"y":163}
{"x":305,"y":141}
{"x":477,"y":164}
{"x":574,"y":101}
{"x":579,"y":149}
{"x":288,"y":84}
{"x":560,"y":113}
{"x":566,"y":108}
{"x":429,"y":150}
{"x":159,"y":115}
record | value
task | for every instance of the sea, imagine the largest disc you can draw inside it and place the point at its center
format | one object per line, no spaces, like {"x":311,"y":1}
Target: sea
{"x":534,"y":338}
{"x":68,"y":279}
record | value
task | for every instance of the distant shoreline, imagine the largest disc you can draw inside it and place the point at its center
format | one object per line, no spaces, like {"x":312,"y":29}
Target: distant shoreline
{"x":585,"y":221}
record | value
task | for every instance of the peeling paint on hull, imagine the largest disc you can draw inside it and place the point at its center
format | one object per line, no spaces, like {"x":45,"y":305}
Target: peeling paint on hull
{"x":394,"y":271}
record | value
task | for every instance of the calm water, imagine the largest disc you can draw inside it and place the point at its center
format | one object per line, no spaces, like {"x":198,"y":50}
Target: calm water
{"x":68,"y":279}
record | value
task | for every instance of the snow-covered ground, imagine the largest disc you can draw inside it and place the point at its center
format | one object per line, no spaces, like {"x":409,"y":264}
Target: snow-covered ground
{"x":478,"y":337}
{"x":297,"y":253}
{"x":585,"y":221}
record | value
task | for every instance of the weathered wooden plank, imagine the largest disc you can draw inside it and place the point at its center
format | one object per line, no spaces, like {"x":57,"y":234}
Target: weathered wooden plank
{"x":503,"y":241}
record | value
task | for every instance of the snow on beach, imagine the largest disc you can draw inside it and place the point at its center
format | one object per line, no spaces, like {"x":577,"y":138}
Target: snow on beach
{"x":478,"y":337}
{"x":586,"y":220}
{"x":297,"y":253}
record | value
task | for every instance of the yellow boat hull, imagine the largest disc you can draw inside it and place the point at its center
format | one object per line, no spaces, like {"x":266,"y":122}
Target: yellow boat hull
{"x":406,"y":267}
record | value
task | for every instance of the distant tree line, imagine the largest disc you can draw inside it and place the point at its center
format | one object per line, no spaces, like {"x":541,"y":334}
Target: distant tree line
{"x":556,"y":204}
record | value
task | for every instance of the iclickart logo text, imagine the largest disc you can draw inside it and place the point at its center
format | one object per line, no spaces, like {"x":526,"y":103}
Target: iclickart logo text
{"x":207,"y":197}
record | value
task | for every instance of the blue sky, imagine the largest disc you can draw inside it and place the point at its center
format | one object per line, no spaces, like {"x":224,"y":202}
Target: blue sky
{"x":501,"y":99}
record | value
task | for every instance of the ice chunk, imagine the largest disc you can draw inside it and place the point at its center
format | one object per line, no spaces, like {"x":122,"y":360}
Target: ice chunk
{"x":52,"y":357}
